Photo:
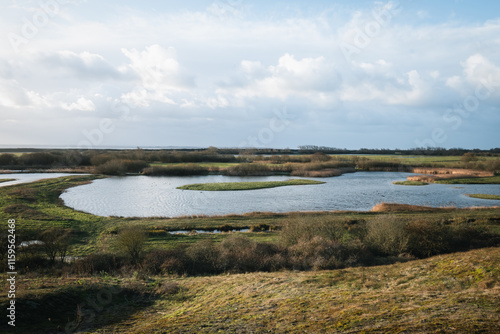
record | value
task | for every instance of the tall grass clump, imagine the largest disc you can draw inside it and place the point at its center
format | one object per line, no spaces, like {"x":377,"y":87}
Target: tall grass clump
{"x":248,"y":169}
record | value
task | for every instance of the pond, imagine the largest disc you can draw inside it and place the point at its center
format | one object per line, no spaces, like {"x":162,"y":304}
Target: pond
{"x":147,"y":196}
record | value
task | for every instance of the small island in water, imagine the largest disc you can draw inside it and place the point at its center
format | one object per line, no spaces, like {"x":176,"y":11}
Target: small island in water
{"x":225,"y":186}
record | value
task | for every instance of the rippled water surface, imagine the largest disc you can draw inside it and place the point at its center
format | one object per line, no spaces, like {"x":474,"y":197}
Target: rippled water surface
{"x":147,"y":196}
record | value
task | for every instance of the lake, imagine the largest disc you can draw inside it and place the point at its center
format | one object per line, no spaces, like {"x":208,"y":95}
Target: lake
{"x":148,"y":196}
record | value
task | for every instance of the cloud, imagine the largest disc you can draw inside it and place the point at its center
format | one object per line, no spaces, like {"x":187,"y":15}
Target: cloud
{"x":82,"y":104}
{"x":305,"y":78}
{"x":160,"y":75}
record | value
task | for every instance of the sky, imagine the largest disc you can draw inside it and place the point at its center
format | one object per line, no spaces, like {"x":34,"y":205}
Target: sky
{"x":240,"y":73}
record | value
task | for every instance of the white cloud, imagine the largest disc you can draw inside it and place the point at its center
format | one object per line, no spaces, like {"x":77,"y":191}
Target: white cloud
{"x":82,"y":104}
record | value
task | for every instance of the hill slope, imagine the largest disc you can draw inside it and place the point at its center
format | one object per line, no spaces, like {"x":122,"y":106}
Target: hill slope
{"x":453,"y":293}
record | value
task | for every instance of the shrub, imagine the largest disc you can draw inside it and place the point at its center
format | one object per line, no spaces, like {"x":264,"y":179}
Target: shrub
{"x":305,"y":228}
{"x":248,"y":169}
{"x":179,"y":170}
{"x":164,"y":262}
{"x":8,"y":159}
{"x":387,"y":235}
{"x":203,"y":258}
{"x":97,"y":263}
{"x":55,"y":243}
{"x":428,"y":238}
{"x":121,"y":167}
{"x":131,"y":241}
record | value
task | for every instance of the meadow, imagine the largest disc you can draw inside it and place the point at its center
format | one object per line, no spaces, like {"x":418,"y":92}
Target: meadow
{"x":397,"y":268}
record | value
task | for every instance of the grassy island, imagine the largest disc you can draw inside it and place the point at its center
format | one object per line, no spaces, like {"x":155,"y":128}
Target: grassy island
{"x":224,"y":186}
{"x":410,"y":183}
{"x":484,"y":196}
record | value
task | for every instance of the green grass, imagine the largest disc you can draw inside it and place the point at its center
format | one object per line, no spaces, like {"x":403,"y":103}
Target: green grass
{"x":484,"y":196}
{"x":472,"y":180}
{"x":6,"y":180}
{"x":224,"y":186}
{"x":410,"y":183}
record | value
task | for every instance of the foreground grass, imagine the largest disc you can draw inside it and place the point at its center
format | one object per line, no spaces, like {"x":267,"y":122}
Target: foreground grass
{"x":476,"y":180}
{"x":410,"y":183}
{"x":224,"y":186}
{"x":453,"y":293}
{"x":484,"y":196}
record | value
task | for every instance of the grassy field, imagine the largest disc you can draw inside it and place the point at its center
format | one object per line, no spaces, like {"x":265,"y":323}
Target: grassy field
{"x":478,"y":180}
{"x":442,"y":294}
{"x":410,"y":183}
{"x":6,"y":180}
{"x":453,"y":293}
{"x":484,"y":196}
{"x":224,"y":186}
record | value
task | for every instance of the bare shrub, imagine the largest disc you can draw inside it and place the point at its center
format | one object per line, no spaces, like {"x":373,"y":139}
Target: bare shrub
{"x":55,"y":243}
{"x":203,"y":257}
{"x":387,"y":235}
{"x":131,"y":241}
{"x":96,"y":263}
{"x":248,"y":169}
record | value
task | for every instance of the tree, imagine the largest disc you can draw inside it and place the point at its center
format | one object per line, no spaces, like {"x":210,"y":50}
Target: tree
{"x":468,"y":157}
{"x":131,"y":241}
{"x":55,"y":242}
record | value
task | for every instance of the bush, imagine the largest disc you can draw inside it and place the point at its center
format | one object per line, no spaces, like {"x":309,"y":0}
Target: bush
{"x":306,"y":228}
{"x":203,"y":258}
{"x":428,"y":238}
{"x":179,"y":170}
{"x":97,"y":263}
{"x":8,"y":160}
{"x":387,"y":235}
{"x":248,"y":169}
{"x":121,"y":167}
{"x":131,"y":241}
{"x":164,"y":262}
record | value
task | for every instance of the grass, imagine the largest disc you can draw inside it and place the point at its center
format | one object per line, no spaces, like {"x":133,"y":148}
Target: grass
{"x":225,"y":186}
{"x":6,"y":180}
{"x":478,"y":180}
{"x":410,"y":183}
{"x":448,"y":293}
{"x":484,"y":196}
{"x":453,"y":293}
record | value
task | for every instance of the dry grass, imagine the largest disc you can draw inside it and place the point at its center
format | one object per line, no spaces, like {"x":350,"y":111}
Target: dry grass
{"x":455,"y":293}
{"x":395,"y":207}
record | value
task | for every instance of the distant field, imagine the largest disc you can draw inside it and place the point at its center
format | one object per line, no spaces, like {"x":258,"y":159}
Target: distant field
{"x":225,"y":186}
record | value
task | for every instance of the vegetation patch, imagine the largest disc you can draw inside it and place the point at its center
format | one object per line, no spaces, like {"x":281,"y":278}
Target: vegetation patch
{"x":484,"y":196}
{"x":472,"y":180}
{"x":224,"y":186}
{"x":6,"y":180}
{"x":411,"y":183}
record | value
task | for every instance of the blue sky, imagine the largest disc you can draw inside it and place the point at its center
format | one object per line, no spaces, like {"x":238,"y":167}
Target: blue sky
{"x":237,"y":73}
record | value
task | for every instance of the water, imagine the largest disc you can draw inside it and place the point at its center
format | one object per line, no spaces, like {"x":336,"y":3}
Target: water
{"x":146,"y":196}
{"x":20,"y":178}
